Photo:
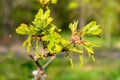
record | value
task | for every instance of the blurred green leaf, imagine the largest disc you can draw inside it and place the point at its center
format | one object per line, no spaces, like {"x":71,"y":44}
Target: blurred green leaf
{"x":91,"y":29}
{"x":73,"y":26}
{"x":89,"y":50}
{"x":54,"y":1}
{"x":54,"y":48}
{"x":45,"y":38}
{"x":75,"y":50}
{"x":52,"y":29}
{"x":22,"y":29}
{"x":92,"y":57}
{"x":46,"y":14}
{"x":58,"y":48}
{"x":73,"y":5}
{"x":32,"y":30}
{"x":42,"y":19}
{"x":92,"y":44}
{"x":64,"y":42}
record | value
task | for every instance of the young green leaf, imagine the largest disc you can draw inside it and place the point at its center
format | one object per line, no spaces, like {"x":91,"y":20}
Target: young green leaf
{"x":32,"y":30}
{"x":89,"y":50}
{"x":48,"y":21}
{"x":46,"y":14}
{"x":45,"y":38}
{"x":52,"y":29}
{"x":57,"y":48}
{"x":91,"y":44}
{"x":64,"y":42}
{"x":73,"y":26}
{"x":22,"y":29}
{"x":91,"y":29}
{"x":42,"y":19}
{"x":74,"y":50}
{"x":54,"y":48}
{"x":39,"y":15}
{"x":50,"y":47}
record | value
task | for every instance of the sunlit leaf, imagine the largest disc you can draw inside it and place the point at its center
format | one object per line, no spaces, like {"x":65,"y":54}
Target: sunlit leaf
{"x":57,"y":48}
{"x":39,"y":15}
{"x":42,"y":19}
{"x":73,"y":26}
{"x":74,"y":50}
{"x":91,"y":44}
{"x":50,"y":46}
{"x":45,"y":38}
{"x":22,"y":29}
{"x":46,"y":14}
{"x":91,"y":29}
{"x":32,"y":30}
{"x":64,"y":42}
{"x":89,"y":50}
{"x":54,"y":48}
{"x":48,"y":21}
{"x":52,"y":29}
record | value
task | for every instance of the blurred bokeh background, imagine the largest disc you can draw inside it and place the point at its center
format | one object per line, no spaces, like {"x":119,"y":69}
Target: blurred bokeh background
{"x":16,"y":65}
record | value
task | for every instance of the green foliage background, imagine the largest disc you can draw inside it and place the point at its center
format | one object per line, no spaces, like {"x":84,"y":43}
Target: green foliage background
{"x":20,"y":69}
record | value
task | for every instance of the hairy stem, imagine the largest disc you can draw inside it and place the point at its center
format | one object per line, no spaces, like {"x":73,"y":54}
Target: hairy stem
{"x":40,"y":72}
